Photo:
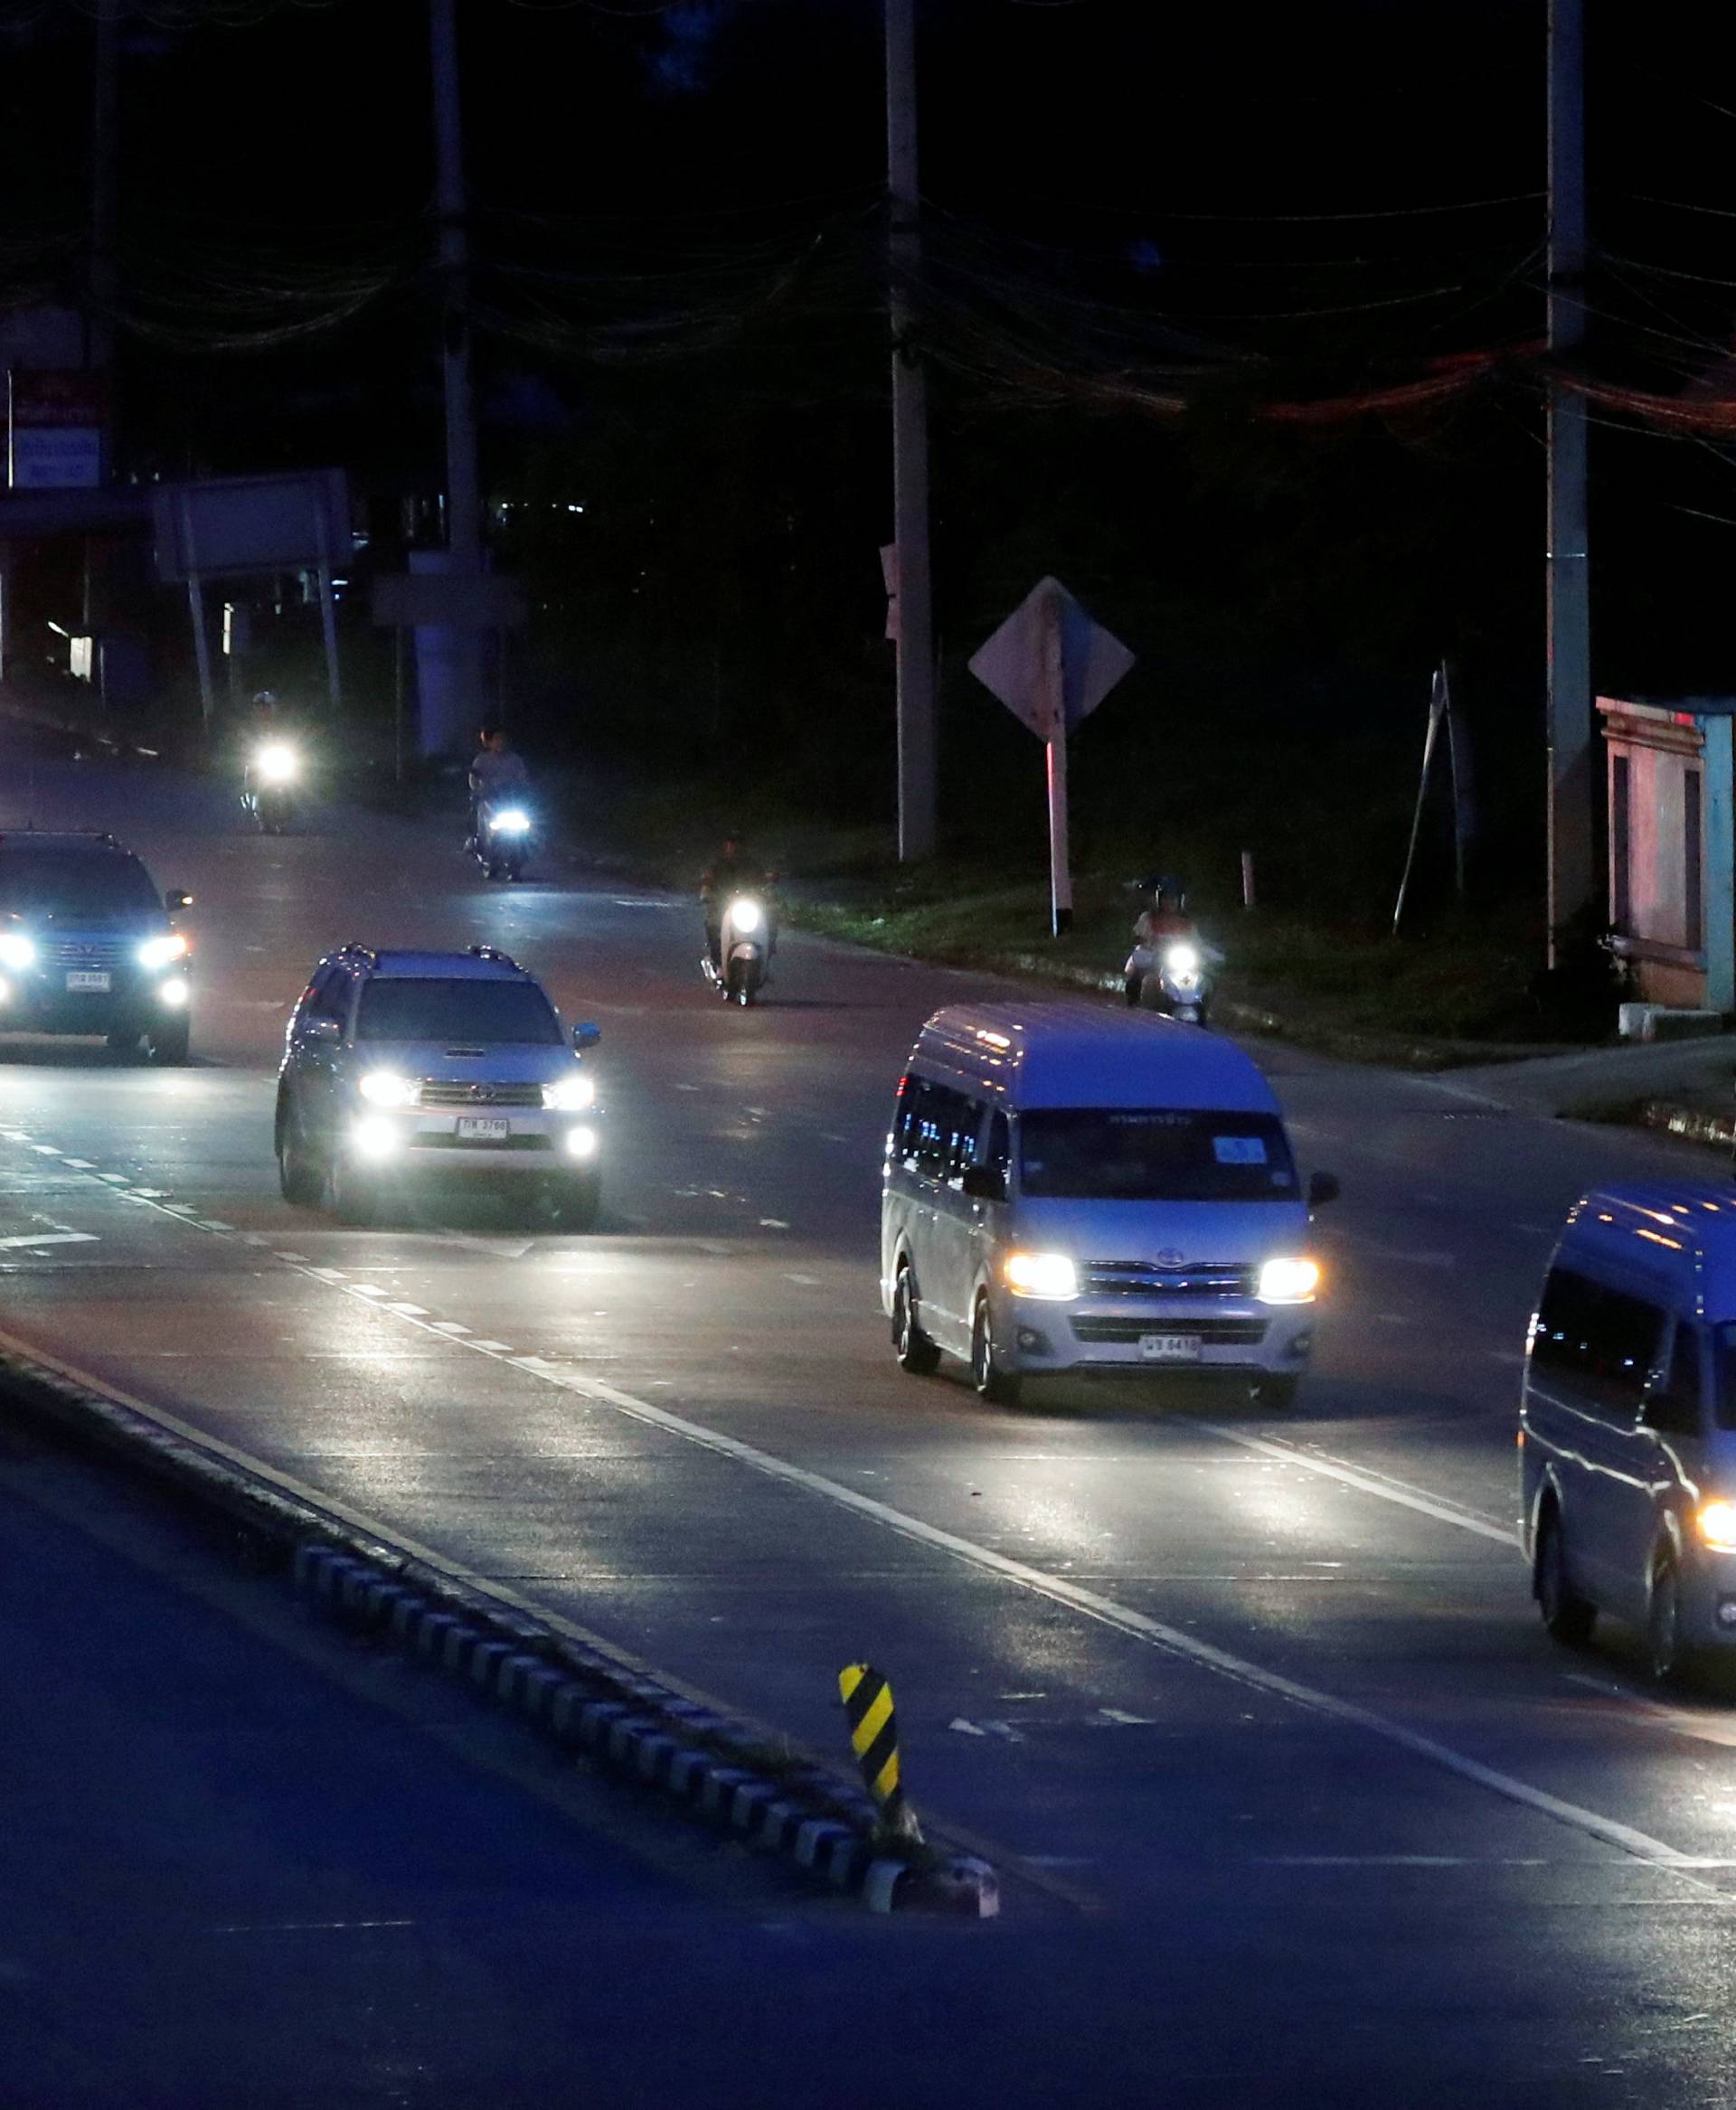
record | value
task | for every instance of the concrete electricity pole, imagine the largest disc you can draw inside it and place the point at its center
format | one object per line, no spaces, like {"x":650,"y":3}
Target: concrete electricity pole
{"x":1572,"y":883}
{"x":915,"y":645}
{"x":463,"y":503}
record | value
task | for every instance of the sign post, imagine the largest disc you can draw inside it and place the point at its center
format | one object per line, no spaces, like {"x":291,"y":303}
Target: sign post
{"x":1051,"y":665}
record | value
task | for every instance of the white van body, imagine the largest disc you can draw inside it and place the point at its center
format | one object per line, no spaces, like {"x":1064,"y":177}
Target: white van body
{"x":1132,"y":1173}
{"x":1627,"y":1420}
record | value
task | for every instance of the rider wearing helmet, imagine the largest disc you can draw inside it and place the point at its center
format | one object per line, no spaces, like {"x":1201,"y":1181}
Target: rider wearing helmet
{"x":1167,"y":918}
{"x":730,"y":872}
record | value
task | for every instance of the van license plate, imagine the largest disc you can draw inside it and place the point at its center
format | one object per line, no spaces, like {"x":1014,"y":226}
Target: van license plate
{"x":89,"y":979}
{"x":473,"y":1130}
{"x":1170,"y":1347}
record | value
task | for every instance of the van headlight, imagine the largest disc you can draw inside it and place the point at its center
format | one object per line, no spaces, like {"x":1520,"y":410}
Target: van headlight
{"x":1288,"y":1282}
{"x":158,"y":952}
{"x":1051,"y":1274}
{"x":1717,"y":1523}
{"x":570,"y":1095}
{"x":385,"y":1087}
{"x":16,"y":950}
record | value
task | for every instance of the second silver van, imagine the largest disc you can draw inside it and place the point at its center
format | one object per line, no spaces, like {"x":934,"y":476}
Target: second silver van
{"x":1069,"y":1187}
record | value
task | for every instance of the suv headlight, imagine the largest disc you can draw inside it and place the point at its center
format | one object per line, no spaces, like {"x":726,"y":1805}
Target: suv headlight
{"x":1041,"y":1275}
{"x":158,"y":952}
{"x":570,"y":1095}
{"x":1717,"y":1522}
{"x":15,"y":950}
{"x":1288,"y":1282}
{"x":385,"y":1087}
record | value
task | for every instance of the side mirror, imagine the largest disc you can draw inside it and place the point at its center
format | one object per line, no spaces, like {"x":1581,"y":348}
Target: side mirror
{"x":586,"y":1036}
{"x":984,"y":1183}
{"x":175,"y":900}
{"x":1323,"y":1187}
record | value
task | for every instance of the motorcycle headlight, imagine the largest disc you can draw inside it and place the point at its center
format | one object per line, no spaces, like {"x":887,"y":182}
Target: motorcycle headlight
{"x":385,"y":1087}
{"x":1182,"y":960}
{"x":277,"y":764}
{"x":158,"y":952}
{"x":1041,"y":1275}
{"x":1288,"y":1282}
{"x":1717,"y":1522}
{"x":570,"y":1095}
{"x":514,"y":821}
{"x":745,"y":915}
{"x":15,"y":950}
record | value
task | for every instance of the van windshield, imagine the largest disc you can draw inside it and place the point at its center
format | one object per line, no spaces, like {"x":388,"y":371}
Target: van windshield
{"x":1142,"y":1153}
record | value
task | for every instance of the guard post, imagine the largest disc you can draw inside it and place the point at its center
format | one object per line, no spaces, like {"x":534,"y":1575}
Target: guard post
{"x":874,"y":1736}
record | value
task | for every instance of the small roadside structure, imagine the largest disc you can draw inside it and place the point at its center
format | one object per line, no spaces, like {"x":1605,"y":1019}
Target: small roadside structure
{"x":1672,"y":790}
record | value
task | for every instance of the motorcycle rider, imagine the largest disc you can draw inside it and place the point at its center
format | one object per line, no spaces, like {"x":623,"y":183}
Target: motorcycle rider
{"x":1164,"y":922}
{"x":732,"y":872}
{"x":498,"y":771}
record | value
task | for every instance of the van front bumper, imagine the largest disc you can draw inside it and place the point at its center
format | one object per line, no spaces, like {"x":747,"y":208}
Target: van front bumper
{"x":1039,"y":1335}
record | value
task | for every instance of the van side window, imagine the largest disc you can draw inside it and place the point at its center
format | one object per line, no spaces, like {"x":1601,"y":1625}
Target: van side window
{"x":1599,"y":1343}
{"x":1672,"y":1407}
{"x":997,"y":1153}
{"x":937,"y":1129}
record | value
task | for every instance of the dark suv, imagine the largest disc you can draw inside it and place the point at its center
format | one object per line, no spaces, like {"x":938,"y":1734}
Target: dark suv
{"x":85,"y":945}
{"x":401,"y":1067}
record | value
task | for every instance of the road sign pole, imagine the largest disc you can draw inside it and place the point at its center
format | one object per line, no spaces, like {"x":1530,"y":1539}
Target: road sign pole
{"x":1053,"y":678}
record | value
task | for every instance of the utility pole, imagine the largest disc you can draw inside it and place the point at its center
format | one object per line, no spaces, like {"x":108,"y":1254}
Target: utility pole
{"x":1572,"y":883}
{"x":462,"y":496}
{"x":102,"y":282}
{"x":915,"y":645}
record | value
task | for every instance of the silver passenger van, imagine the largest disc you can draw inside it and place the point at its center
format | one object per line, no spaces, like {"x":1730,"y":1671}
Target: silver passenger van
{"x":1627,"y":1421}
{"x":1071,"y":1187}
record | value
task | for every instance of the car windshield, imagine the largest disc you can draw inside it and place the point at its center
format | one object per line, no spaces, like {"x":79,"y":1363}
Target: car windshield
{"x":69,"y":884}
{"x":462,"y":1012}
{"x":1137,"y":1153}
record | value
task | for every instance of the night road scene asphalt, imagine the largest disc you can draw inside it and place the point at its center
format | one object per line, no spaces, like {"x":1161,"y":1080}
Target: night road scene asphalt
{"x":669,"y":1434}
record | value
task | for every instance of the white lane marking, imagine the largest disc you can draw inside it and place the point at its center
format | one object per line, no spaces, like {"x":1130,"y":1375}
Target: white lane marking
{"x":773,"y":1223}
{"x":47,"y":1150}
{"x":214,"y":1223}
{"x":366,"y":1289}
{"x":409,"y":1310}
{"x":1394,"y":1860}
{"x":1105,"y":1611}
{"x":446,"y":1325}
{"x":965,"y":1728}
{"x":1461,"y":1091}
{"x":50,"y":1237}
{"x":298,"y":1259}
{"x":804,"y":1281}
{"x":81,"y":1164}
{"x":1113,"y":1717}
{"x":1704,"y":1728}
{"x":114,"y":1179}
{"x":1359,"y":1477}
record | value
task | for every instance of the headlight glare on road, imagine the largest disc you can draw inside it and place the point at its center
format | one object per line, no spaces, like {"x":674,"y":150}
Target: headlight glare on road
{"x":581,"y":1143}
{"x":158,"y":952}
{"x":277,"y":764}
{"x":1051,"y":1274}
{"x":16,"y":951}
{"x":175,"y":992}
{"x":374,"y":1136}
{"x":385,"y":1087}
{"x":746,"y":916}
{"x":570,"y":1095}
{"x":1288,"y":1282}
{"x":1717,"y":1522}
{"x":512,"y":821}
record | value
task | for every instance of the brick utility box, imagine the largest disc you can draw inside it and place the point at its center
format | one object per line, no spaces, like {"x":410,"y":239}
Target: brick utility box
{"x":1673,"y":845}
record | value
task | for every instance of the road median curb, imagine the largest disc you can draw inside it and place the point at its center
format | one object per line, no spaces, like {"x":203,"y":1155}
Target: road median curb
{"x":576,"y":1694}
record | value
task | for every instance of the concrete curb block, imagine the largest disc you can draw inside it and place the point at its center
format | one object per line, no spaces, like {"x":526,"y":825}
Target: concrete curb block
{"x":1693,"y":1124}
{"x":575,"y":1695}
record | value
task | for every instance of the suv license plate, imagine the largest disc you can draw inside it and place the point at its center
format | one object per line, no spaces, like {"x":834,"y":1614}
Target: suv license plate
{"x":471,"y":1130}
{"x":89,"y":979}
{"x":1170,"y":1347}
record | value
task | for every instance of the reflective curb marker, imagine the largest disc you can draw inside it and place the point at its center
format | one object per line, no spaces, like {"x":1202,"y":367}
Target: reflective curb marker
{"x":874,"y":1737}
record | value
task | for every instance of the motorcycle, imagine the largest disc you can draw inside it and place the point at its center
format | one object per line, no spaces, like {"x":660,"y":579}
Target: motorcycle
{"x":269,"y":786}
{"x":505,"y":837}
{"x":1173,"y":976}
{"x":744,"y":950}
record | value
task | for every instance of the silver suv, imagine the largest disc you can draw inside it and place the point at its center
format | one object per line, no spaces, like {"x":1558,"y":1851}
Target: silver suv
{"x":399,"y":1066}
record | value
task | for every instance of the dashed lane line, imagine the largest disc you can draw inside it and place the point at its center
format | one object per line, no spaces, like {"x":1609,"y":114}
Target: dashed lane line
{"x":1089,"y":1603}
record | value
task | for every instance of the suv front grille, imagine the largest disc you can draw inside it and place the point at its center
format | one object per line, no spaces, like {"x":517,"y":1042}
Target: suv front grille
{"x":70,"y":954}
{"x":441,"y":1091}
{"x":1202,"y":1278}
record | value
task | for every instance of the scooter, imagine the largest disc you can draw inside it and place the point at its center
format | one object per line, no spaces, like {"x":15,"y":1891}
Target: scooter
{"x":744,"y":949}
{"x":269,"y":788}
{"x":1173,"y":976}
{"x":505,"y":837}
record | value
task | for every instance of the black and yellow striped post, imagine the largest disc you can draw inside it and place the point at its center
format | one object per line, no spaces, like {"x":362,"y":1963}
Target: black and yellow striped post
{"x":874,"y":1736}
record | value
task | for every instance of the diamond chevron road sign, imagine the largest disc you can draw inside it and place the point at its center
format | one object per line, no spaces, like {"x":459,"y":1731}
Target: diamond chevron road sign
{"x":1051,"y":667}
{"x":1016,"y":662}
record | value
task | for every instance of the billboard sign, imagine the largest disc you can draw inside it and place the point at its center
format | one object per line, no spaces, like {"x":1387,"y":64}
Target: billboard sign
{"x":54,"y":425}
{"x":230,"y":526}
